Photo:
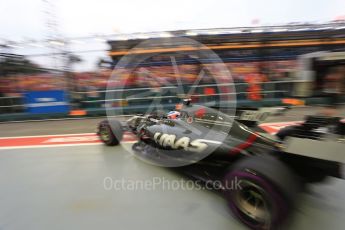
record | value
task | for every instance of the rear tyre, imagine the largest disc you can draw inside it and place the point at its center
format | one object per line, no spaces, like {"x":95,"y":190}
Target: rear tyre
{"x":110,"y":133}
{"x":266,"y":193}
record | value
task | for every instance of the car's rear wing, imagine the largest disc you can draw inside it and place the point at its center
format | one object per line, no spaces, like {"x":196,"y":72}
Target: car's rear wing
{"x":251,"y":116}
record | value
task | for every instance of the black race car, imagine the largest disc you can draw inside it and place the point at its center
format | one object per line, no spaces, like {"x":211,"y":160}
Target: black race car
{"x":211,"y":147}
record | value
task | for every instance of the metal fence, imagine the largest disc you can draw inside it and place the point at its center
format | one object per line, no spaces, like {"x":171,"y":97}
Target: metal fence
{"x":137,"y":100}
{"x":13,"y":104}
{"x":132,"y":98}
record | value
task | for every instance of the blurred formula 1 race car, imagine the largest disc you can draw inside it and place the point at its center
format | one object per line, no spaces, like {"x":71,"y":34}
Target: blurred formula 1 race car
{"x":271,"y":170}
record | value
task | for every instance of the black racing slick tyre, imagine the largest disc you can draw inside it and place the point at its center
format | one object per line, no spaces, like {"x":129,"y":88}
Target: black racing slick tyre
{"x":110,"y":132}
{"x":266,"y":193}
{"x":286,"y":132}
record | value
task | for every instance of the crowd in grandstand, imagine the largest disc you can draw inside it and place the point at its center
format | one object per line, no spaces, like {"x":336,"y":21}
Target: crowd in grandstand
{"x":152,"y":76}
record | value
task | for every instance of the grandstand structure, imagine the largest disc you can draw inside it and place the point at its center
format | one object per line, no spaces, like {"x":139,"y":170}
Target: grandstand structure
{"x":264,"y":59}
{"x":302,"y":37}
{"x":270,"y":51}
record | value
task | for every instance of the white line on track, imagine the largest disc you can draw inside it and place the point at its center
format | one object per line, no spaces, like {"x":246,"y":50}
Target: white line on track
{"x":49,"y":146}
{"x":58,"y":135}
{"x":53,"y":135}
{"x":66,"y":119}
{"x":59,"y":145}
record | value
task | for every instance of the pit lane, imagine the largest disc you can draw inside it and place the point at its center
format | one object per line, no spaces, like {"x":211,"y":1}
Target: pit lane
{"x":62,"y":187}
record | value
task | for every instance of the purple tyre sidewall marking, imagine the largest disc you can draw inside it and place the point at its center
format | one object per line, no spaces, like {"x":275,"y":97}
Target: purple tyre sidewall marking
{"x":277,"y":201}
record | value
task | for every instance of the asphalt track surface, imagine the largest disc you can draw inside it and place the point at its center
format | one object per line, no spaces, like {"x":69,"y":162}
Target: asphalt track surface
{"x":73,"y":187}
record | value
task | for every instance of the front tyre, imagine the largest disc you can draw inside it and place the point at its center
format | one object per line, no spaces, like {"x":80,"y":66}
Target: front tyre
{"x":266,"y":192}
{"x":110,"y":133}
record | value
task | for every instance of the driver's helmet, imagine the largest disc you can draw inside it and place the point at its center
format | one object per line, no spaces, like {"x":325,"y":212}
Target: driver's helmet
{"x":173,"y":114}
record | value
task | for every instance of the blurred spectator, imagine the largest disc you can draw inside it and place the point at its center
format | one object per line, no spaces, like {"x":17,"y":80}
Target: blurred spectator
{"x":334,"y":87}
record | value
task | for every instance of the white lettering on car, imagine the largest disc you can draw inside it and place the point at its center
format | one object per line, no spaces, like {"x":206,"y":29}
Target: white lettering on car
{"x":183,"y":142}
{"x":167,"y":140}
{"x":197,"y":146}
